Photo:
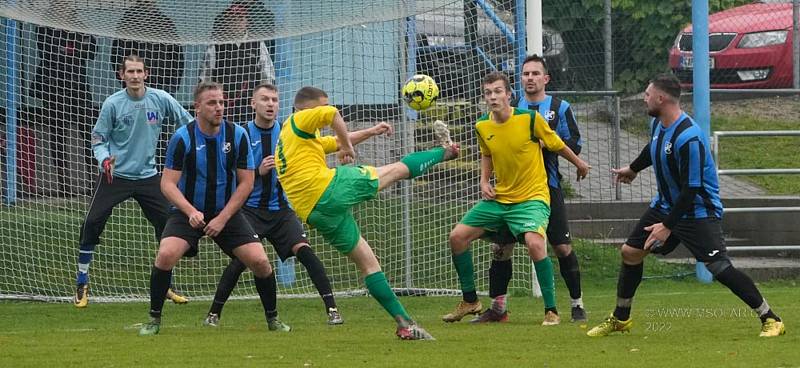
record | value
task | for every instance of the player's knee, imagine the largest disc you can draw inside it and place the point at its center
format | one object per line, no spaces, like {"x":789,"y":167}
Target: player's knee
{"x":260,"y":267}
{"x":716,"y":267}
{"x":296,"y":248}
{"x":631,"y":255}
{"x":458,"y":241}
{"x":562,"y":250}
{"x":502,"y":252}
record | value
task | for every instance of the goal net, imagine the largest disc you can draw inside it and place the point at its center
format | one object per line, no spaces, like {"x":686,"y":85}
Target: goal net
{"x":59,"y":66}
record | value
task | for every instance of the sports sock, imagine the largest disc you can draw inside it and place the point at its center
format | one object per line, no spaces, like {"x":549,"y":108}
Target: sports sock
{"x":466,"y":275}
{"x":85,"y":253}
{"x":499,"y":277}
{"x":379,"y":288}
{"x":743,"y":287}
{"x":499,"y":304}
{"x":419,"y":162}
{"x":228,"y":280}
{"x":571,"y":273}
{"x":316,"y":271}
{"x":544,"y":273}
{"x":629,"y":278}
{"x":268,"y":293}
{"x":159,"y":283}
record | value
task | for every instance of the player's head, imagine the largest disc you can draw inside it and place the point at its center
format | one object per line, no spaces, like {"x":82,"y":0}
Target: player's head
{"x":310,"y":97}
{"x":133,"y":71}
{"x":663,"y":91}
{"x":534,"y":74}
{"x":209,"y":103}
{"x":265,"y":102}
{"x":497,"y":91}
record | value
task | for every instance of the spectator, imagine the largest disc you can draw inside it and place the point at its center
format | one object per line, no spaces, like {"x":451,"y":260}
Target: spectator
{"x":240,"y":66}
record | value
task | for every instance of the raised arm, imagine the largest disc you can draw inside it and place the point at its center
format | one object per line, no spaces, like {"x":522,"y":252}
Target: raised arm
{"x":364,"y":134}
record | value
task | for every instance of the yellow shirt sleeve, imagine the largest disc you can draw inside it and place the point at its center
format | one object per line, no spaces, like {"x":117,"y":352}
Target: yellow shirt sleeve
{"x":311,"y":120}
{"x":549,"y":137}
{"x":484,"y":149}
{"x":328,"y":144}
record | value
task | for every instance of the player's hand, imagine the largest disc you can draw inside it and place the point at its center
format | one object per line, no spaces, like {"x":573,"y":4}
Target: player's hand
{"x":583,"y":169}
{"x":215,"y":226}
{"x":346,"y":155}
{"x":624,"y":175}
{"x":197,"y":220}
{"x":108,"y":168}
{"x":267,"y":164}
{"x":658,"y":233}
{"x":382,"y":128}
{"x":487,"y":191}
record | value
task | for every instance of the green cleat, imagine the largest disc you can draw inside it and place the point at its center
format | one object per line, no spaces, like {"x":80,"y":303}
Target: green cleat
{"x":150,"y":328}
{"x":274,"y":324}
{"x":611,"y":324}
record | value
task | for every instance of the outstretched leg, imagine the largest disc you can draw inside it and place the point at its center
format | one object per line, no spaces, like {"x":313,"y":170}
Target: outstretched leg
{"x":417,"y":163}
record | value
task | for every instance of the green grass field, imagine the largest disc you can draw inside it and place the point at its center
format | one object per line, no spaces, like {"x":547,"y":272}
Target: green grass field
{"x":678,"y":324}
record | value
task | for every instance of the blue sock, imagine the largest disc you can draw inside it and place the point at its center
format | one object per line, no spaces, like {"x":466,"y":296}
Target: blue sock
{"x":84,"y":258}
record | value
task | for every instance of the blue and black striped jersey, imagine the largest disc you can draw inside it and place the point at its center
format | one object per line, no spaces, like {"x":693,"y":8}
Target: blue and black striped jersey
{"x":267,"y":191}
{"x":208,"y":164}
{"x":681,"y":160}
{"x":559,"y":116}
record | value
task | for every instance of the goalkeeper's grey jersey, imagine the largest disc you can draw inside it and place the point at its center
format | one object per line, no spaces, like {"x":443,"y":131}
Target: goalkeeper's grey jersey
{"x":129,"y":129}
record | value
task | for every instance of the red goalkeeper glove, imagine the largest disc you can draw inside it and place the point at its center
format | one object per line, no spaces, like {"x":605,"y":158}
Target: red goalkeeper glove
{"x":108,"y":168}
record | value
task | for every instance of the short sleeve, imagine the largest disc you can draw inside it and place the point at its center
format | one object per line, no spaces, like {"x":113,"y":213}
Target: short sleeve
{"x":329,"y":144}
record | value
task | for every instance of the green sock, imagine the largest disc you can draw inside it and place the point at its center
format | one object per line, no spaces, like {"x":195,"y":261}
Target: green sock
{"x":379,"y":288}
{"x":419,"y":162}
{"x":544,"y":273}
{"x":466,"y":271}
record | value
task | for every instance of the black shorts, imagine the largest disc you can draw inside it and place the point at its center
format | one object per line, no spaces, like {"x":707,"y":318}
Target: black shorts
{"x":557,"y":226}
{"x":235,"y":233}
{"x":281,"y":228}
{"x":703,"y":237}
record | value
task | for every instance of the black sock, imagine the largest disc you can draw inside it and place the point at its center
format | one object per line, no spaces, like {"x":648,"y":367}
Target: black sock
{"x":470,"y":296}
{"x":268,"y":293}
{"x":316,"y":271}
{"x":743,"y":287}
{"x":499,"y":277}
{"x":159,"y":283}
{"x":226,"y":284}
{"x":629,"y":278}
{"x":571,"y":273}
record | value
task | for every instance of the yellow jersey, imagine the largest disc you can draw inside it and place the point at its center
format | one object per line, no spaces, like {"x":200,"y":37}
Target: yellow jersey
{"x":300,"y":157}
{"x":517,"y":155}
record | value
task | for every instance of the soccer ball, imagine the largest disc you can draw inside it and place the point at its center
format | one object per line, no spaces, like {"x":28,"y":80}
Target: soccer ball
{"x":420,"y":92}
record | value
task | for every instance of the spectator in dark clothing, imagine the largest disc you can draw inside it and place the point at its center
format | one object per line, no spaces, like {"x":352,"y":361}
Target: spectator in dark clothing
{"x":243,"y":64}
{"x":62,"y":86}
{"x":144,"y":20}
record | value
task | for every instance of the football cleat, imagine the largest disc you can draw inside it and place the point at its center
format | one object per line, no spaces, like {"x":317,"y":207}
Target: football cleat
{"x":150,"y":328}
{"x":611,"y":324}
{"x":81,"y":299}
{"x":772,"y":328}
{"x":334,"y":317}
{"x":490,"y":315}
{"x":412,"y":331}
{"x":551,"y":319}
{"x":212,"y":320}
{"x":578,"y":315}
{"x":176,"y":298}
{"x":462,"y":309}
{"x":274,"y":324}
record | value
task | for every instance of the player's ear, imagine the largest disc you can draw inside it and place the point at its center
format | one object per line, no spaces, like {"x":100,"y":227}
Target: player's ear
{"x":546,"y":78}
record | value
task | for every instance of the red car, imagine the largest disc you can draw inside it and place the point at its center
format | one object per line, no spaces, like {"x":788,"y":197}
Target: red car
{"x":750,"y":46}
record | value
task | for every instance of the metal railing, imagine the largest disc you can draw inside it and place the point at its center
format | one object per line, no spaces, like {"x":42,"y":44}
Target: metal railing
{"x":762,"y":133}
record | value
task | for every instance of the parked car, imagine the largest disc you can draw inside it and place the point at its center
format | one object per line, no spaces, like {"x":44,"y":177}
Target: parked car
{"x":750,"y":47}
{"x":443,"y":53}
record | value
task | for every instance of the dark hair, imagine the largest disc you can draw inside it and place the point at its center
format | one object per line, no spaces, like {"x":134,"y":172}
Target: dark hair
{"x":496,"y":76}
{"x":132,"y":58}
{"x":669,"y":84}
{"x":535,"y":59}
{"x":265,"y":85}
{"x":205,"y":86}
{"x":308,"y":94}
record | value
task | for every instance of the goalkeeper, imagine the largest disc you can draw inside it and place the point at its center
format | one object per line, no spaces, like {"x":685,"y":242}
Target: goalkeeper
{"x":124,"y":141}
{"x":324,"y":197}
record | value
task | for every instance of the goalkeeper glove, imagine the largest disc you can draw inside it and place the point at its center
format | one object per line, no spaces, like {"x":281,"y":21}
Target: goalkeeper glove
{"x":108,"y":168}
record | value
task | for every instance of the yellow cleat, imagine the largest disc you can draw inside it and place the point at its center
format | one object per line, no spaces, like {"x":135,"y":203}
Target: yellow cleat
{"x":551,"y":319}
{"x":462,"y":309}
{"x":81,"y":299}
{"x":772,"y":328}
{"x":176,"y":298}
{"x":611,"y":324}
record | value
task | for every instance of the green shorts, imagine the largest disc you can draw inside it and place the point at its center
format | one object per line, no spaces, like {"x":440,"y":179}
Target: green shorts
{"x":525,"y":217}
{"x":332,"y":216}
